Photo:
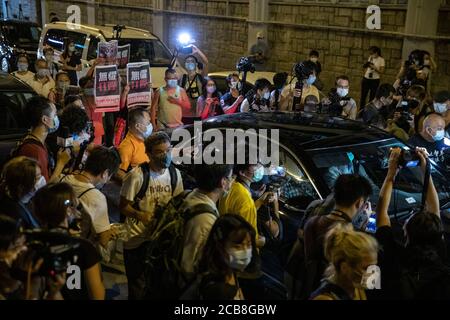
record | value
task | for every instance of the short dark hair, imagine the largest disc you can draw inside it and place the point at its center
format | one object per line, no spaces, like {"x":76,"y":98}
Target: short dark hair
{"x":214,"y":258}
{"x":231,"y":76}
{"x":262,"y":83}
{"x":9,"y":232}
{"x":209,"y":176}
{"x":71,"y":99}
{"x":375,"y":49}
{"x":349,"y":188}
{"x":424,"y":229}
{"x":279,"y":79}
{"x":101,"y":159}
{"x":341,"y":77}
{"x":134,"y":115}
{"x":84,"y":81}
{"x":170,"y":71}
{"x":19,"y":176}
{"x":74,"y":118}
{"x":155,"y":139}
{"x":23,"y":55}
{"x":35,"y":108}
{"x":61,"y":73}
{"x":314,"y":53}
{"x":50,"y":204}
{"x":40,"y":60}
{"x":442,"y":96}
{"x":384,"y":90}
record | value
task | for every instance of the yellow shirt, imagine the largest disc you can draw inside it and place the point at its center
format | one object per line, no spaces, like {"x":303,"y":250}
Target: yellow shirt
{"x":132,"y":152}
{"x":239,"y":201}
{"x":287,"y":92}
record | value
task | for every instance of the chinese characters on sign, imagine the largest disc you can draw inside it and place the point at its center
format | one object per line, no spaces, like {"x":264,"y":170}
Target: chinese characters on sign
{"x":138,"y":78}
{"x":107,"y":90}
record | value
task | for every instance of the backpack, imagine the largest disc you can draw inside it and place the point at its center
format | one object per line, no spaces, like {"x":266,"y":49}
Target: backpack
{"x":164,"y":278}
{"x":199,"y":79}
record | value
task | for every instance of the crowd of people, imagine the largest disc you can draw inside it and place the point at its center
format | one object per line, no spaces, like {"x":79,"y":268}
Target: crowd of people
{"x":50,"y":189}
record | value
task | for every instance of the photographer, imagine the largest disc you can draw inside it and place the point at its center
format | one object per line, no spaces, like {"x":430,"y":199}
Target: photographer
{"x":413,"y":72}
{"x":232,"y":100}
{"x":432,"y":138}
{"x":415,"y":270}
{"x":371,"y":80}
{"x":55,"y":206}
{"x":16,"y":262}
{"x":339,"y":101}
{"x":441,"y":102}
{"x":377,"y":111}
{"x":258,"y":100}
{"x":260,"y":50}
{"x":408,"y":117}
{"x":305,"y":72}
{"x":279,"y":81}
{"x":314,"y":57}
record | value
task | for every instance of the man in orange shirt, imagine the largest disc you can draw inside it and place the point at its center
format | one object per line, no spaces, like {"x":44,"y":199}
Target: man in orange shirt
{"x":132,"y":148}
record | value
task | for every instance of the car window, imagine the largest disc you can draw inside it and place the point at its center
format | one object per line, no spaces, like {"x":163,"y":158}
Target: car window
{"x":20,"y":33}
{"x":78,"y":38}
{"x":11,"y":111}
{"x":143,"y":50}
{"x":93,"y":46}
{"x":55,"y":39}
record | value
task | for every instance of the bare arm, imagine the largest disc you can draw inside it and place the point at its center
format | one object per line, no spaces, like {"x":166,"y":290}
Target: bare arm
{"x":127,"y":210}
{"x":432,"y":200}
{"x":154,"y":108}
{"x":94,"y":283}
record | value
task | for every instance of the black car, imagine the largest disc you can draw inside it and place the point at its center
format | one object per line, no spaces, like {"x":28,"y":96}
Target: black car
{"x":314,"y":149}
{"x":13,"y":96}
{"x":17,"y":36}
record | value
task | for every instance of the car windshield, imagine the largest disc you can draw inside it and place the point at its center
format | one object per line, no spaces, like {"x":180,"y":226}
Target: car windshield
{"x":152,"y":51}
{"x":17,"y":32}
{"x":371,"y":161}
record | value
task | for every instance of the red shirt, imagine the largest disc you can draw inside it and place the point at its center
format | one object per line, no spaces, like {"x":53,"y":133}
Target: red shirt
{"x":39,"y":153}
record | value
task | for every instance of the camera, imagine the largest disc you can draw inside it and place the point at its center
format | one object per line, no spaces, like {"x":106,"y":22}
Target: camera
{"x":409,"y":159}
{"x":367,"y":65}
{"x":246,"y":64}
{"x":56,"y":248}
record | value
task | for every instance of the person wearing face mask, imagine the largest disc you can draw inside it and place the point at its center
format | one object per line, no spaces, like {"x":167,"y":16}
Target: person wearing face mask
{"x":42,"y":116}
{"x":52,"y":66}
{"x":55,"y":205}
{"x":21,"y":178}
{"x":23,"y":63}
{"x":372,"y":71}
{"x":417,"y":268}
{"x":289,"y":91}
{"x":168,"y":103}
{"x":164,"y":183}
{"x":341,"y":104}
{"x":213,"y":182}
{"x":101,"y":164}
{"x":132,"y":148}
{"x":42,"y":83}
{"x":232,"y":100}
{"x":258,"y":99}
{"x":239,"y":200}
{"x":193,"y":80}
{"x":376,"y":112}
{"x":208,"y":105}
{"x":351,"y":257}
{"x":260,"y":50}
{"x":432,"y":137}
{"x":71,"y":62}
{"x":441,"y":102}
{"x":229,"y":250}
{"x":314,"y":57}
{"x":58,"y":94}
{"x":351,"y":192}
{"x":279,"y":81}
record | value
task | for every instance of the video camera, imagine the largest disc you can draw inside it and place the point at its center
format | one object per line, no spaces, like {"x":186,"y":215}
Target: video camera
{"x":336,"y":105}
{"x":56,"y":248}
{"x":246,"y":64}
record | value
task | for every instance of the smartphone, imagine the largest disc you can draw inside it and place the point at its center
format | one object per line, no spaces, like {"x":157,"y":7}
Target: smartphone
{"x":372,"y":225}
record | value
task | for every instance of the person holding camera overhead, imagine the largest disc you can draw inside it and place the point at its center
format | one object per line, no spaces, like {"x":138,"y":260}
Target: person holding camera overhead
{"x":192,"y":81}
{"x":374,"y":67}
{"x":258,"y":99}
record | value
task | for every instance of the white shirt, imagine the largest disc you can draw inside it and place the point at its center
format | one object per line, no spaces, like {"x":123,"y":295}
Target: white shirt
{"x":378,"y":62}
{"x":196,"y":231}
{"x":159,"y":192}
{"x":93,"y":201}
{"x":245,"y":107}
{"x":27,"y":77}
{"x":42,"y":89}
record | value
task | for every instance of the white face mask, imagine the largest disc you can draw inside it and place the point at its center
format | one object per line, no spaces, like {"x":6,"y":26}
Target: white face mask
{"x":440,"y":107}
{"x":314,"y":60}
{"x":239,"y":259}
{"x":342,"y":92}
{"x":266,"y":95}
{"x":148,"y":131}
{"x":38,"y":185}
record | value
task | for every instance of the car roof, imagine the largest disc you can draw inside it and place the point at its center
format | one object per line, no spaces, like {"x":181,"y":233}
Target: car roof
{"x":251,"y":77}
{"x":106,"y":30}
{"x":10,"y":83}
{"x":308,"y":130}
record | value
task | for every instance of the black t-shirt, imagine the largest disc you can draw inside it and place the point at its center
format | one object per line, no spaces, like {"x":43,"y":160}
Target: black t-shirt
{"x":213,"y":287}
{"x":75,"y":60}
{"x":435,"y":148}
{"x":17,"y":211}
{"x":85,"y":257}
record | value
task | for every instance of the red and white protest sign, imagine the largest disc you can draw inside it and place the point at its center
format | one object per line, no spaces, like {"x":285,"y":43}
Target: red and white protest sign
{"x":139,"y":78}
{"x":107,"y":90}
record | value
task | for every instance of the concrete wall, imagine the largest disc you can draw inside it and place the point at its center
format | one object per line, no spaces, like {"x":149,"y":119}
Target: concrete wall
{"x":29,"y":11}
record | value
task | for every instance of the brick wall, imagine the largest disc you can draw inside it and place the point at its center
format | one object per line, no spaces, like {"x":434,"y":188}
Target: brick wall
{"x":29,"y":11}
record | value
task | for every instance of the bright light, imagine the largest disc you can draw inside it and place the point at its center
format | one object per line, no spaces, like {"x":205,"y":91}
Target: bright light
{"x":184,"y":39}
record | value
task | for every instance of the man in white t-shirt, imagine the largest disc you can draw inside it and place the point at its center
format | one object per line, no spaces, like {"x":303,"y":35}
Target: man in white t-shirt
{"x":42,"y":83}
{"x":374,"y":67}
{"x":164,"y":182}
{"x":100,"y":165}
